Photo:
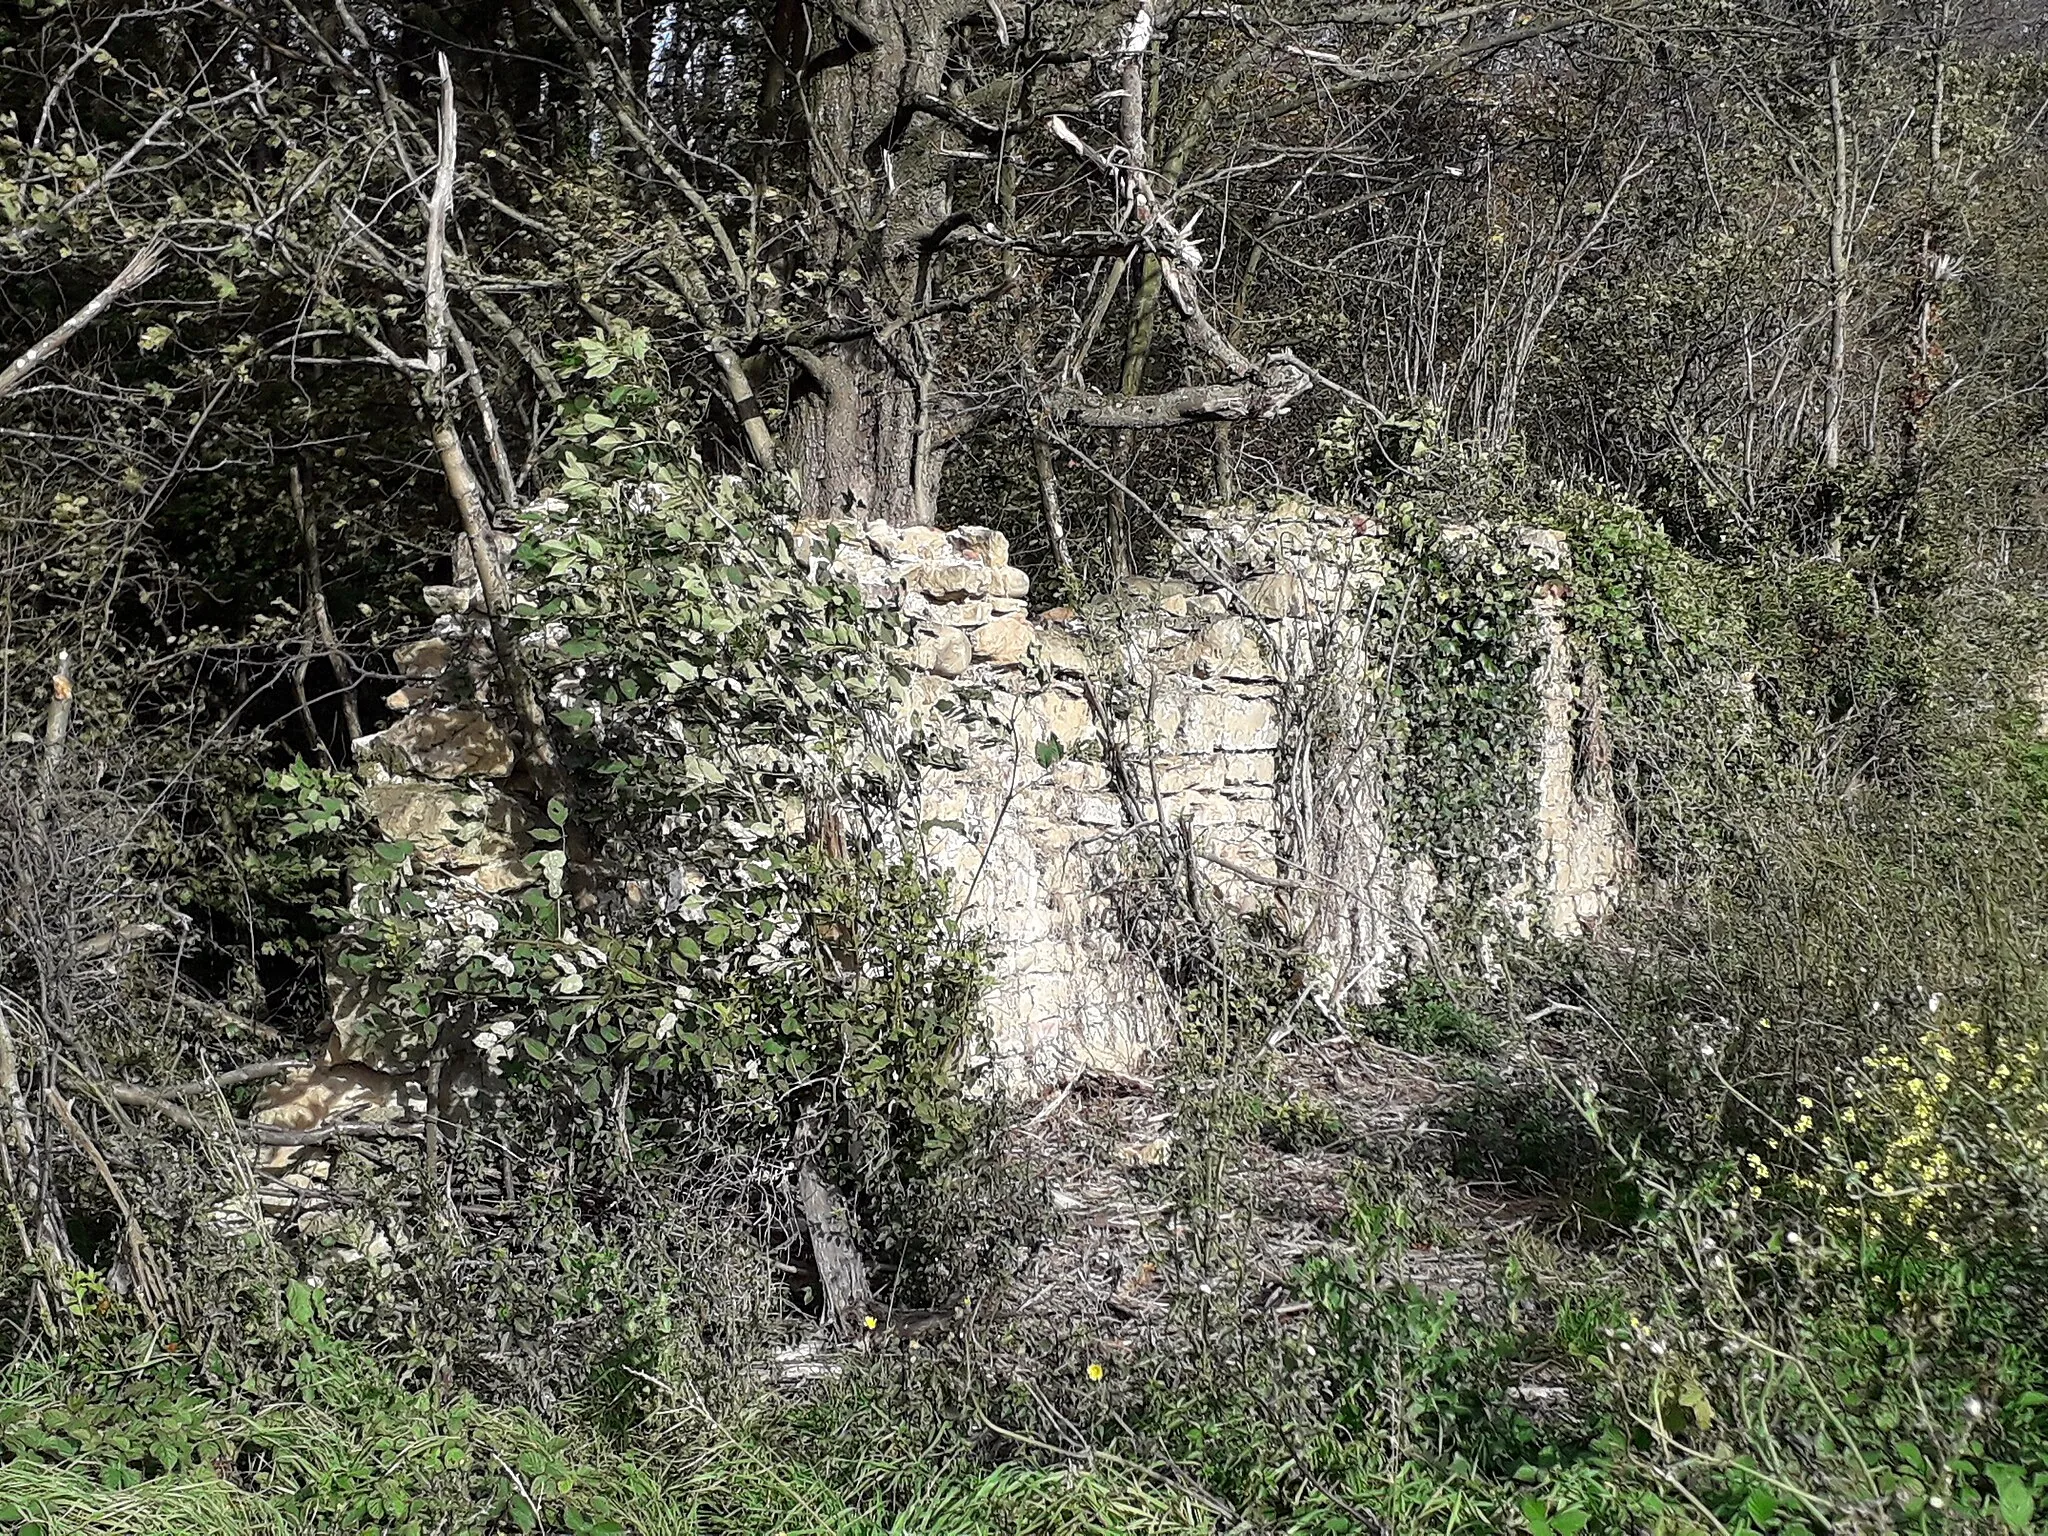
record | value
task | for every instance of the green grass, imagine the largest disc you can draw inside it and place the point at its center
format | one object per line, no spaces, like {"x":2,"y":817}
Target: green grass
{"x":358,"y":1453}
{"x":1710,"y":1380}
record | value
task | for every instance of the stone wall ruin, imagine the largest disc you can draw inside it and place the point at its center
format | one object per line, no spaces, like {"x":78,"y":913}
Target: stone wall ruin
{"x":1237,"y":692}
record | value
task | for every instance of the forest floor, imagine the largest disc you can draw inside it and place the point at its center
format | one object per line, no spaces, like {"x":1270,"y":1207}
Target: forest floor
{"x":1127,"y":1161}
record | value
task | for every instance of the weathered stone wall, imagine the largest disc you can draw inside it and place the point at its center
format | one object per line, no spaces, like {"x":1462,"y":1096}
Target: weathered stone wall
{"x":1234,"y":702}
{"x":1243,"y":705}
{"x":446,"y":778}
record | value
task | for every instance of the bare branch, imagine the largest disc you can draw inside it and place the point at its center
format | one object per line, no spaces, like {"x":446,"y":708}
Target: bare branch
{"x":141,"y":267}
{"x":316,"y":605}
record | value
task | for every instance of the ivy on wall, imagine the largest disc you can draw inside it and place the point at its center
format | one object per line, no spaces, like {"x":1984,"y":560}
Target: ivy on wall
{"x":723,"y":917}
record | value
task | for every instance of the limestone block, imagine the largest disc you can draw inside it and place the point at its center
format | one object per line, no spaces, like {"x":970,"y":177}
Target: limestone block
{"x":1167,"y":709}
{"x":857,"y":563}
{"x":1176,"y":775}
{"x":922,"y":544}
{"x":446,"y":823}
{"x":1008,"y":581}
{"x":1229,"y":723}
{"x":503,"y":875}
{"x":1053,"y":839}
{"x":318,"y":1094}
{"x":1280,"y":595}
{"x":441,"y":744}
{"x":1003,"y":642}
{"x":983,"y":545}
{"x":1549,"y":547}
{"x":961,"y":613}
{"x":943,"y":649}
{"x":465,"y":557}
{"x":1057,"y":712}
{"x":925,"y":693}
{"x":428,"y":657}
{"x":1247,"y":769}
{"x":944,"y":798}
{"x":1056,"y":648}
{"x":945,"y":580}
{"x":1153,"y":589}
{"x":450,"y":600}
{"x":1232,"y":648}
{"x":1099,"y":811}
{"x":364,"y":1031}
{"x":411,"y":696}
{"x":1207,"y":810}
{"x":999,"y":606}
{"x":1077,"y":773}
{"x":1251,"y":813}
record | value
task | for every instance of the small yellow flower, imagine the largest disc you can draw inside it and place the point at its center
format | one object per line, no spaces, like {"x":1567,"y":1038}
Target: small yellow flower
{"x":1095,"y":1370}
{"x":869,"y":1323}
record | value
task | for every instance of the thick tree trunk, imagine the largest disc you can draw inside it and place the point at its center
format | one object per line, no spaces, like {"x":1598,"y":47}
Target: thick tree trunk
{"x":862,"y":438}
{"x":861,"y":432}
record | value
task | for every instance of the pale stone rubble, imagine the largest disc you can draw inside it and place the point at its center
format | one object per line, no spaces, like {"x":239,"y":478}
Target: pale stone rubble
{"x":1237,"y":690}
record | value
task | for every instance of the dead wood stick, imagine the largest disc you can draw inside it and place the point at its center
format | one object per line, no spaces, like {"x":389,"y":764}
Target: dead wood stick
{"x":304,"y":706}
{"x":455,"y":467}
{"x":56,"y":723}
{"x":501,"y":461}
{"x":1244,"y":873}
{"x":141,"y":267}
{"x":316,"y":604}
{"x":340,"y":1130}
{"x":256,"y":1072}
{"x":149,"y":1288}
{"x":848,"y":1300}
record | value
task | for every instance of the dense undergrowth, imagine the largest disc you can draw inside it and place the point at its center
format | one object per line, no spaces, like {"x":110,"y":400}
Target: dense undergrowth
{"x":1728,"y":1218}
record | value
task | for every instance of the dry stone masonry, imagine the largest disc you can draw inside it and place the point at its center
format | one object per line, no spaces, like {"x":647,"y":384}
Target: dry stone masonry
{"x":1233,"y":701}
{"x":1239,"y":696}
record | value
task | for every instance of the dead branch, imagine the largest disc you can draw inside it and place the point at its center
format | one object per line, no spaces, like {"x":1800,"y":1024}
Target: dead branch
{"x":150,"y":1290}
{"x":237,"y":1077}
{"x":1272,"y":386}
{"x":501,"y":461}
{"x":341,"y":1130}
{"x":316,"y":605}
{"x":848,"y":1300}
{"x":538,"y":745}
{"x":57,"y":723}
{"x":141,"y":267}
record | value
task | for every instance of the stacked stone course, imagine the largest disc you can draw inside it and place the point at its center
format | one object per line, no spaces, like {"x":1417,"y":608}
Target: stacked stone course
{"x":1237,"y":692}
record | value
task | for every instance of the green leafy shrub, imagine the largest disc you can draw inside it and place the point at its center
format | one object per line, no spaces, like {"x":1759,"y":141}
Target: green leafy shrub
{"x":1421,"y":1014}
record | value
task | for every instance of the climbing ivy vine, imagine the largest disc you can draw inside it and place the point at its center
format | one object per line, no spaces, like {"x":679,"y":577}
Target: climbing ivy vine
{"x":723,"y":917}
